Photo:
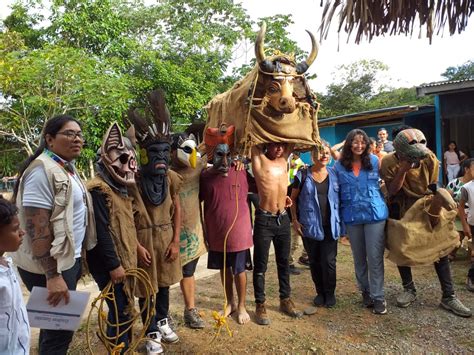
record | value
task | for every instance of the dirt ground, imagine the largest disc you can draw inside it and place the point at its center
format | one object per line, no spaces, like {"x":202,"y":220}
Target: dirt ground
{"x":348,"y":327}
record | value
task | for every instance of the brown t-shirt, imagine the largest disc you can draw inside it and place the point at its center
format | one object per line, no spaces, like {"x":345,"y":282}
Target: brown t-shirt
{"x":415,"y":185}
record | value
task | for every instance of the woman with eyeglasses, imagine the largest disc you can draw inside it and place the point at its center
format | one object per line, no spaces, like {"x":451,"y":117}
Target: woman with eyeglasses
{"x":56,"y":212}
{"x":315,"y":214}
{"x":364,"y":213}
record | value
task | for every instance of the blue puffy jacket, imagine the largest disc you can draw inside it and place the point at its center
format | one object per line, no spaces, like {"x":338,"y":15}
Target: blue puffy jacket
{"x":309,"y":213}
{"x":361,"y":199}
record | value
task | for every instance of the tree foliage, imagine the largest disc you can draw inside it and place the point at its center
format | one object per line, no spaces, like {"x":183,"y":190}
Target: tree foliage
{"x":358,"y":87}
{"x":462,"y":72}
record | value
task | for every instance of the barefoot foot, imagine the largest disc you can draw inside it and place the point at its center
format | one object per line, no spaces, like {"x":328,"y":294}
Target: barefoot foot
{"x":242,"y":315}
{"x":230,"y":308}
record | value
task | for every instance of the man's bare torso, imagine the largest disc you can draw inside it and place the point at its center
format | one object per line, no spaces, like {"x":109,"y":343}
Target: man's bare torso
{"x":271,"y":177}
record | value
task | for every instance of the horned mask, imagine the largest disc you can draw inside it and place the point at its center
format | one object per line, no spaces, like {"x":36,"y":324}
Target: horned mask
{"x":118,"y":156}
{"x":281,"y":73}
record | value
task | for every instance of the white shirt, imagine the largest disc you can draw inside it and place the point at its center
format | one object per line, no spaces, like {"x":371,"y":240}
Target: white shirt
{"x":37,"y":193}
{"x":14,"y":325}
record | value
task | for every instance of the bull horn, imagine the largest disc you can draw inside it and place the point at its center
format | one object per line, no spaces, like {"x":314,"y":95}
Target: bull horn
{"x":304,"y":65}
{"x":259,"y":51}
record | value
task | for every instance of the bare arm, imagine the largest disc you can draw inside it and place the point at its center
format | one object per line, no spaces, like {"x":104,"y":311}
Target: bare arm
{"x":38,"y":230}
{"x":462,"y":215}
{"x":294,"y":197}
{"x":257,"y":152}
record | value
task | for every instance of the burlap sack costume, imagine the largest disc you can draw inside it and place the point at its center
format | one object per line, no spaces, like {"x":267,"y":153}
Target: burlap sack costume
{"x":191,"y":239}
{"x":232,"y":107}
{"x":412,"y":241}
{"x":122,"y":229}
{"x":155,"y":233}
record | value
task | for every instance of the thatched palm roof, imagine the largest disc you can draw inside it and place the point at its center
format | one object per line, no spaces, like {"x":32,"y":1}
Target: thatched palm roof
{"x":371,"y":18}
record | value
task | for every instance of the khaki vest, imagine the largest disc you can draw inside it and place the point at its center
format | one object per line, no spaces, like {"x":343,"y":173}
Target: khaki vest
{"x":61,"y":220}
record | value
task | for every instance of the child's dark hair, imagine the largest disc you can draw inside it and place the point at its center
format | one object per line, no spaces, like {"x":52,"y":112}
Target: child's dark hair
{"x":7,"y":211}
{"x":466,"y":164}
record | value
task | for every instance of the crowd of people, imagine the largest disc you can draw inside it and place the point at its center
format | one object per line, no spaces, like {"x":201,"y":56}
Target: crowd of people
{"x":163,"y":209}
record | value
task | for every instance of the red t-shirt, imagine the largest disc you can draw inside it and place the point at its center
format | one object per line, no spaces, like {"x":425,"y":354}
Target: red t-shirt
{"x":219,"y":195}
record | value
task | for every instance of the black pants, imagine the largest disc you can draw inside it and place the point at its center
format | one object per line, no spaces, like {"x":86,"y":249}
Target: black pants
{"x":443,"y":270}
{"x":162,"y":306}
{"x":322,"y":261}
{"x":269,"y":229}
{"x":53,"y":342}
{"x":102,"y":278}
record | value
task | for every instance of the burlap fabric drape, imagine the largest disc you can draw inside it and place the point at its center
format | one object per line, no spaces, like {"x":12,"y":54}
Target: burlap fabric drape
{"x":412,"y":241}
{"x":232,"y":107}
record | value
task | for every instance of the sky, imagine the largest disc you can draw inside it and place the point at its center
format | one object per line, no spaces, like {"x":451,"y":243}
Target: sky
{"x":412,"y":60}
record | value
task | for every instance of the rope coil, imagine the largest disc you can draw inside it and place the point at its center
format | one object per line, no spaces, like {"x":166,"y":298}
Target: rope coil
{"x":111,"y":342}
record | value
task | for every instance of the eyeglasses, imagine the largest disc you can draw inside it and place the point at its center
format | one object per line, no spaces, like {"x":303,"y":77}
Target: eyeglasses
{"x":71,"y":135}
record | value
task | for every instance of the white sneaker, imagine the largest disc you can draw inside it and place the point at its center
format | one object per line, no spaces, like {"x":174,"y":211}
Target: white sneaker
{"x":167,"y":334}
{"x":153,"y":346}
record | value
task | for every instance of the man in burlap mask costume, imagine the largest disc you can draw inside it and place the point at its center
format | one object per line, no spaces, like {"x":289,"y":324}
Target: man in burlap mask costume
{"x":421,"y":224}
{"x":157,"y":211}
{"x":116,"y":249}
{"x":187,"y":162}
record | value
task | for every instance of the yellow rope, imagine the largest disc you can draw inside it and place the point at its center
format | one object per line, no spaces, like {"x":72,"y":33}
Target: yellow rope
{"x":110,"y":342}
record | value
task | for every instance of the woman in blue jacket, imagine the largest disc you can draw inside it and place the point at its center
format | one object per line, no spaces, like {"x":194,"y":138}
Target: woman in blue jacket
{"x":315,"y":211}
{"x":364,"y":213}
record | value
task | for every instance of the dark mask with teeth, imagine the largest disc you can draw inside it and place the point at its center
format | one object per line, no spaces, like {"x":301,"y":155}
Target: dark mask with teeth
{"x":118,"y":156}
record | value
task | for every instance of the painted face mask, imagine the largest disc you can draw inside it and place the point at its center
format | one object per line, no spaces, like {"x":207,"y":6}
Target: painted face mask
{"x":410,"y":144}
{"x":186,"y":151}
{"x":222,"y":159}
{"x":118,"y":156}
{"x":155,"y":160}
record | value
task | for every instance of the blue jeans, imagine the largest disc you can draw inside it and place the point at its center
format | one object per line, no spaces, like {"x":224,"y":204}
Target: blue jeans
{"x":368,"y":245}
{"x":102,"y":278}
{"x":53,"y":342}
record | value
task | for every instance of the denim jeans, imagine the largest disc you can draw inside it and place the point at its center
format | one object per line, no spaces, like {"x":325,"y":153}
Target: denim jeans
{"x":162,"y":306}
{"x":322,"y":262}
{"x":102,"y":278}
{"x":53,"y":342}
{"x":269,"y":229}
{"x":443,"y":270}
{"x":368,"y":245}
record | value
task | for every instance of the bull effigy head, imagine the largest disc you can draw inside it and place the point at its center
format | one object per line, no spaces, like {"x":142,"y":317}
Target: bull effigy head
{"x":281,"y":70}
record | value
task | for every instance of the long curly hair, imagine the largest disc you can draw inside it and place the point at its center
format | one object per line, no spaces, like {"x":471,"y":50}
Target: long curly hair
{"x":347,"y":157}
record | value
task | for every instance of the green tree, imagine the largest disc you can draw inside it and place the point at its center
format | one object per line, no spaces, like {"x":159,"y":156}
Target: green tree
{"x":55,"y":80}
{"x":361,"y":86}
{"x":461,"y":72}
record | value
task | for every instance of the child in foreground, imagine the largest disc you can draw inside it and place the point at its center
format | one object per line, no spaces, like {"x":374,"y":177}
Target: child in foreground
{"x":14,"y":326}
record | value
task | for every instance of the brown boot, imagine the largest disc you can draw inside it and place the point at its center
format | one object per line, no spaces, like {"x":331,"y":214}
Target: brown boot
{"x":288,"y":307}
{"x":261,"y":314}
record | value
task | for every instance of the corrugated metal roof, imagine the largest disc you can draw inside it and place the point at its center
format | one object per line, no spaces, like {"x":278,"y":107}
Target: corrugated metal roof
{"x":445,"y":87}
{"x":397,"y":111}
{"x":440,"y":83}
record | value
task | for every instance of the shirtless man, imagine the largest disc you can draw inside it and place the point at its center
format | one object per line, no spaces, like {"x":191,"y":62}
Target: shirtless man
{"x":272,"y":224}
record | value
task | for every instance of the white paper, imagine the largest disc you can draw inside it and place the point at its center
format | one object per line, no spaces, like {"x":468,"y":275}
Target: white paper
{"x":62,"y":317}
